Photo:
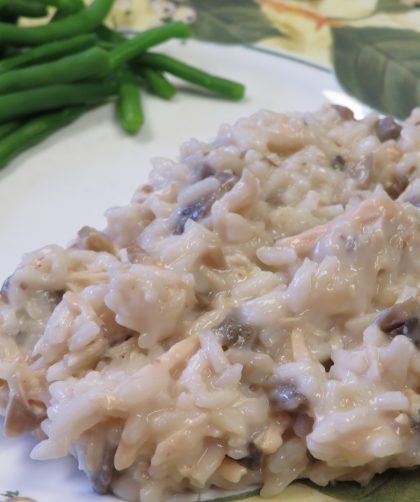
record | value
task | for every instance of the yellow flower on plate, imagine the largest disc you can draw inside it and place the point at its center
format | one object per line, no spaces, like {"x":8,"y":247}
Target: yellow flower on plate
{"x":307,"y":25}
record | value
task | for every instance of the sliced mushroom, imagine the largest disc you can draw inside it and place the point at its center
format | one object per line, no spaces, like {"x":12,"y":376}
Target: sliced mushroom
{"x":386,"y":128}
{"x":194,"y":212}
{"x":286,"y":397}
{"x":233,"y":332}
{"x":201,"y":208}
{"x":344,"y":112}
{"x":20,"y":417}
{"x":401,"y":319}
{"x":328,"y":364}
{"x":102,"y":478}
{"x":338,"y":163}
{"x":396,"y":186}
{"x":253,"y":460}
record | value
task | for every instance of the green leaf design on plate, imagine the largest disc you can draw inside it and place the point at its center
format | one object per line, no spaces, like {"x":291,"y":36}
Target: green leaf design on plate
{"x":239,"y":21}
{"x":391,"y":486}
{"x":379,"y":66}
{"x":392,"y":6}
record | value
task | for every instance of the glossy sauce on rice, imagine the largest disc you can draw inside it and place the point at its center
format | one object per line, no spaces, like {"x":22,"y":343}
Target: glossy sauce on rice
{"x":252,"y":317}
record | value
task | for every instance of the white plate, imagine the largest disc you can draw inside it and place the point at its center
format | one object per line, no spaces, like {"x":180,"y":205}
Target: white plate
{"x":69,"y":181}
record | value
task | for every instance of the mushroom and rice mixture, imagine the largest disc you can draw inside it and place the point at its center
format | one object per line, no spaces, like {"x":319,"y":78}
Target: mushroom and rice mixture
{"x":250,"y":318}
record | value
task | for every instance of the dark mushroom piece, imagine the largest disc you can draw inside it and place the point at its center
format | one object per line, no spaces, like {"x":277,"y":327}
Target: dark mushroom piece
{"x":338,"y":163}
{"x":253,"y":460}
{"x":401,"y":319}
{"x":194,"y":212}
{"x":328,"y":364}
{"x":201,"y":208}
{"x":102,"y":478}
{"x":344,"y":112}
{"x":396,"y":186}
{"x":386,"y":128}
{"x":285,"y":396}
{"x":233,"y":332}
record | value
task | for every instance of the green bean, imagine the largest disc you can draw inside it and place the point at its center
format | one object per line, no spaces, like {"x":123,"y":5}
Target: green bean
{"x":104,"y":33}
{"x":111,"y":36}
{"x":9,"y":127}
{"x":125,"y":52}
{"x":129,"y":107}
{"x":226,"y":88}
{"x":52,"y":3}
{"x":48,"y":52}
{"x":64,"y":10}
{"x":92,"y":62}
{"x":83,"y":21}
{"x":35,"y":131}
{"x":59,"y":15}
{"x":25,"y":8}
{"x":8,"y":18}
{"x":70,"y":6}
{"x":157,"y":83}
{"x":23,"y":103}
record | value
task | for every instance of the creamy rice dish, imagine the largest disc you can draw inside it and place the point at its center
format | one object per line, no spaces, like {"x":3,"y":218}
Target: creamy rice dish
{"x":252,"y":316}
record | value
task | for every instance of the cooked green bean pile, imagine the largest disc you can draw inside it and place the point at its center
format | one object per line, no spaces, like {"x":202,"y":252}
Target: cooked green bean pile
{"x":52,"y":73}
